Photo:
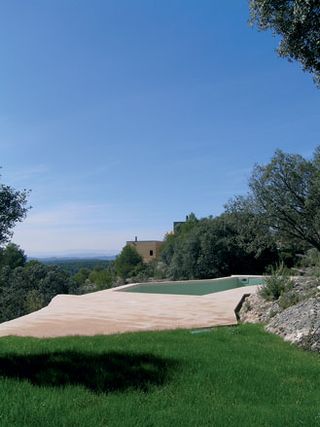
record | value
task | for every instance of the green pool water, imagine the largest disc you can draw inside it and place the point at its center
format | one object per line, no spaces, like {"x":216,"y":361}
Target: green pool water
{"x":194,"y":287}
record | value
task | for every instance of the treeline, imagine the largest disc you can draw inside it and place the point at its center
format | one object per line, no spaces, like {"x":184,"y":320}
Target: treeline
{"x":278,"y":221}
{"x":73,"y":265}
{"x":212,"y":247}
{"x":26,"y":286}
{"x":200,"y":249}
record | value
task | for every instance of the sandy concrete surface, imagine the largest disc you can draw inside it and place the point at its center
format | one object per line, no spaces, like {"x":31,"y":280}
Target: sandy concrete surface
{"x":110,"y":311}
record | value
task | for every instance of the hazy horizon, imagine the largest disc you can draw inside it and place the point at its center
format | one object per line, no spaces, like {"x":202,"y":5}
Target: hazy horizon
{"x":74,"y":254}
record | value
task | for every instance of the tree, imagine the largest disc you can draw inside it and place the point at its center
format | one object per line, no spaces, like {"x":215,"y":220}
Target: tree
{"x":298,"y":23}
{"x":33,"y":301}
{"x":81,"y":276}
{"x":28,"y":288}
{"x":171,"y":239}
{"x":13,"y":209}
{"x":12,"y":256}
{"x":254,"y":235}
{"x":127,"y":261}
{"x":102,"y":278}
{"x":212,"y":248}
{"x":285,"y":195}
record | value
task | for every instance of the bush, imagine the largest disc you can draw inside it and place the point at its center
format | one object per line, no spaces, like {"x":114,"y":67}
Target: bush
{"x":34,"y":301}
{"x":103,"y":279}
{"x":287,"y":299}
{"x":276,"y":283}
{"x":311,"y":263}
{"x":127,"y":261}
{"x":311,"y":258}
{"x":27,"y":288}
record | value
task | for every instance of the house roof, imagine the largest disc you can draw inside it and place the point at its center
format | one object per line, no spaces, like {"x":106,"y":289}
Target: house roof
{"x":144,"y":241}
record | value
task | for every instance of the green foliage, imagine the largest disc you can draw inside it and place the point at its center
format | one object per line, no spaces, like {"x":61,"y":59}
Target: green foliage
{"x":154,"y":269}
{"x":168,"y":248}
{"x":286,"y":194}
{"x":32,"y":286}
{"x":103,"y":279}
{"x":13,"y":209}
{"x":34,"y":301}
{"x":210,"y":248}
{"x":297,"y":22}
{"x":252,"y":233}
{"x":288,"y":298}
{"x":81,"y":276}
{"x":311,"y":258}
{"x":284,"y":200}
{"x":73,"y":266}
{"x":278,"y":220}
{"x":160,"y":269}
{"x":310,"y":263}
{"x":127,"y":262}
{"x":12,"y":256}
{"x":276,"y":284}
{"x":234,"y":376}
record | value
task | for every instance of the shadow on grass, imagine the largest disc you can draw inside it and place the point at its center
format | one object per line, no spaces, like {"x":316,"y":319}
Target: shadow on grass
{"x":101,"y":373}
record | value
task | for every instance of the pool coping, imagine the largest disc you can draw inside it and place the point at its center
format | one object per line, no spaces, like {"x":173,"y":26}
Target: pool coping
{"x":109,"y":312}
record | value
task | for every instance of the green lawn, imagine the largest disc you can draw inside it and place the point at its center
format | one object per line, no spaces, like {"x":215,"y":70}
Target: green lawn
{"x":237,"y":376}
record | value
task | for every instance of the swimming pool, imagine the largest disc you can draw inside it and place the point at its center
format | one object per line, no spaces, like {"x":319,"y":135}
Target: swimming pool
{"x":194,"y":287}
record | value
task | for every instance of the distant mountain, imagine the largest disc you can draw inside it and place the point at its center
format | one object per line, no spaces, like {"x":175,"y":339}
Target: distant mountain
{"x":58,"y":259}
{"x":73,"y":264}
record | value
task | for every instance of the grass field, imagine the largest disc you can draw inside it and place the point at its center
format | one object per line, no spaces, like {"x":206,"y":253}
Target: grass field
{"x":232,"y":376}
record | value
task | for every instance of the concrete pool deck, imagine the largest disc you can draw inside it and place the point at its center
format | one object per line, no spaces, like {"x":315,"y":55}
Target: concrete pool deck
{"x":110,"y":312}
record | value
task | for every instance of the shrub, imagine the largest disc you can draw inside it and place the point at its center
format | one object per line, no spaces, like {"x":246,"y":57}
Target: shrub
{"x":310,"y":263}
{"x":127,"y":261}
{"x":287,"y":299}
{"x":34,"y":301}
{"x":311,"y":258}
{"x":103,"y":279}
{"x":276,"y":283}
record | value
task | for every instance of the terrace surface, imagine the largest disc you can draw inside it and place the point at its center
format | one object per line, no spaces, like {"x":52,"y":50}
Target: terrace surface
{"x":110,"y":312}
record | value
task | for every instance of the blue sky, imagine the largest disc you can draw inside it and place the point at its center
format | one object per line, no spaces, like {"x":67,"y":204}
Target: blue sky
{"x":123,"y":116}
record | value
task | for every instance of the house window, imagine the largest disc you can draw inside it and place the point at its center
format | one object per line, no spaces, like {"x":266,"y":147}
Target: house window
{"x":151,"y":253}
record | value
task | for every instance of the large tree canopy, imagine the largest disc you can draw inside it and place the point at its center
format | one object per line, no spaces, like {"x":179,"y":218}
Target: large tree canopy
{"x":298,"y":23}
{"x":13,"y":209}
{"x":211,"y":247}
{"x":12,"y":256}
{"x":28,"y":287}
{"x":285,"y":197}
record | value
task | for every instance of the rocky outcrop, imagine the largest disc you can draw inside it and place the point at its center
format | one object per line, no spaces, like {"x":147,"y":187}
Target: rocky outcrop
{"x":299,"y":323}
{"x":255,"y":309}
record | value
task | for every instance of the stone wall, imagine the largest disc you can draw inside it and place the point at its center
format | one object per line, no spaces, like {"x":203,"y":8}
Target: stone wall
{"x":148,"y":249}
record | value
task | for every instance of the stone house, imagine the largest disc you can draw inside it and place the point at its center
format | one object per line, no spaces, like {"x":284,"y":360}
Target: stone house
{"x":148,"y":249}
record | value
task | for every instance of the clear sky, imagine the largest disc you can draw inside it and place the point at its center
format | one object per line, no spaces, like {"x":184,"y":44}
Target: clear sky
{"x":123,"y":116}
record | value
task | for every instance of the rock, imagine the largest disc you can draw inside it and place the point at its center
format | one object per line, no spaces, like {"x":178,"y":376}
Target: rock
{"x":305,"y":286}
{"x":255,"y":309}
{"x":299,"y":324}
